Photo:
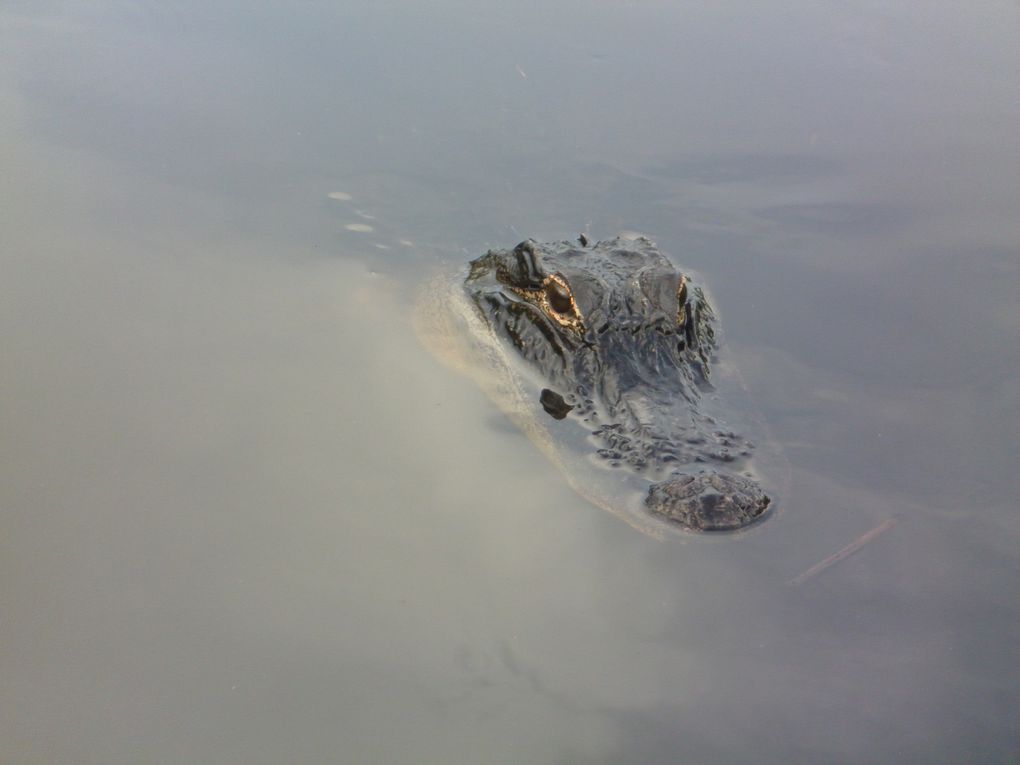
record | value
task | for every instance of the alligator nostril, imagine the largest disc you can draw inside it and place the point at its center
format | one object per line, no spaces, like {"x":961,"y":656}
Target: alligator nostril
{"x":708,"y":501}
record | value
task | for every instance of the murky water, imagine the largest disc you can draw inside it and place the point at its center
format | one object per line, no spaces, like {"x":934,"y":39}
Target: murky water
{"x":247,"y":518}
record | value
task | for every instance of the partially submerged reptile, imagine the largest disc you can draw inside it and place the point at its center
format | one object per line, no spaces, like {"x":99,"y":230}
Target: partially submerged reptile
{"x":607,"y":357}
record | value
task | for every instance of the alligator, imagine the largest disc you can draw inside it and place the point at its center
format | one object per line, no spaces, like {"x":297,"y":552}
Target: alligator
{"x":607,"y":356}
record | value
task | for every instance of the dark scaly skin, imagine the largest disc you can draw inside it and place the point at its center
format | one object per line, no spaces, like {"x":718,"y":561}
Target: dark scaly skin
{"x":625,"y":344}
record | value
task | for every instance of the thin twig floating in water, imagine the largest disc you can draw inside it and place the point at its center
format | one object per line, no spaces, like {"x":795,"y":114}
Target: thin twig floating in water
{"x":846,"y":552}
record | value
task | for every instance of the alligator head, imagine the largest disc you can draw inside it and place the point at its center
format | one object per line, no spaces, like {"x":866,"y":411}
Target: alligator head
{"x":624,"y":344}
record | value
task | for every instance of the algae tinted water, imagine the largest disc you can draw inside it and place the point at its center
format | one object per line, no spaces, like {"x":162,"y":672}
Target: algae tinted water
{"x":245,"y":517}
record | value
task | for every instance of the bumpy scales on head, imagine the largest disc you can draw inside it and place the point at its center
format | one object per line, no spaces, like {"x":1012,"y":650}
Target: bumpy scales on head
{"x":624,"y":343}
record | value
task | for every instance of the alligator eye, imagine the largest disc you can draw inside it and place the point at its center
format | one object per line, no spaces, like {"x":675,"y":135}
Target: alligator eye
{"x":558,"y":296}
{"x":557,"y":301}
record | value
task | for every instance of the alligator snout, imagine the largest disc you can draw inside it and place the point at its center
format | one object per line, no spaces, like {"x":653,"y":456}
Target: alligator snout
{"x":708,"y":501}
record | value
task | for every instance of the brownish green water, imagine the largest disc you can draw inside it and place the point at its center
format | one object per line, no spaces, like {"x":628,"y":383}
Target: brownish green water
{"x":244,"y":517}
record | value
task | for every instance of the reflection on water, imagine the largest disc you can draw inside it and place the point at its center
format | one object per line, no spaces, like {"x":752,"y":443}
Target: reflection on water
{"x":245,"y":517}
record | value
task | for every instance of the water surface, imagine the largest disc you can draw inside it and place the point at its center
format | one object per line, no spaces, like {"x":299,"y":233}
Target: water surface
{"x":245,"y":517}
